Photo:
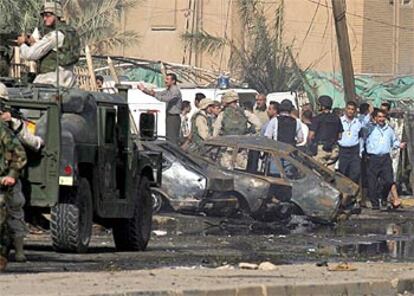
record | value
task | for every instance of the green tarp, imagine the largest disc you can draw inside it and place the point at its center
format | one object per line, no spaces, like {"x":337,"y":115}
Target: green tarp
{"x":367,"y":88}
{"x":149,"y":73}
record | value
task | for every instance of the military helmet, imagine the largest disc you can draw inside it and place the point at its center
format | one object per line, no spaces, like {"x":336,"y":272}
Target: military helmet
{"x":325,"y":101}
{"x":204,"y":103}
{"x":286,"y":106}
{"x":229,"y":97}
{"x":4,"y":93}
{"x":52,"y":7}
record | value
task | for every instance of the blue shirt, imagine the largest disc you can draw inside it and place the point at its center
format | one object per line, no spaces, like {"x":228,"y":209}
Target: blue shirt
{"x":381,"y":140}
{"x":364,"y":119}
{"x":351,"y":136}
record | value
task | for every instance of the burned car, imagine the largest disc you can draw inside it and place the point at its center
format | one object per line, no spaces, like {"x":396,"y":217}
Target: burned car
{"x":257,"y":175}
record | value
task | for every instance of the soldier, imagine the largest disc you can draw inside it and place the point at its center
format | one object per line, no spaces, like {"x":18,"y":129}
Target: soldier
{"x":12,"y":160}
{"x":201,"y":125}
{"x":233,"y":120}
{"x":61,"y":44}
{"x":325,"y":131}
{"x":15,"y":205}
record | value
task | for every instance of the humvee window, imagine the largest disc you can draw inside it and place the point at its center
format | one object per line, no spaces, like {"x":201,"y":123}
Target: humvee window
{"x":110,"y":126}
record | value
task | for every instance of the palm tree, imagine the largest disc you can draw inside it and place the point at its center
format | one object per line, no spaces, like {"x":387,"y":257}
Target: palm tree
{"x":261,"y":58}
{"x":96,"y":21}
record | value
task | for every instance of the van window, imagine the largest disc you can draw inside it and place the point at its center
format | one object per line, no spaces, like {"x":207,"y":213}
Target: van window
{"x":147,"y":125}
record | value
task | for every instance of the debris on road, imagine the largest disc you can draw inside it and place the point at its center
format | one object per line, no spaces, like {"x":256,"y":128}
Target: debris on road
{"x":342,"y":267}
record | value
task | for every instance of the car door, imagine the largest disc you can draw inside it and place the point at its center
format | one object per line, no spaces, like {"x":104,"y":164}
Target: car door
{"x":316,"y":198}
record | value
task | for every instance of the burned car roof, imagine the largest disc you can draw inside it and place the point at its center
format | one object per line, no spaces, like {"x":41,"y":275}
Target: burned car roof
{"x":256,"y":142}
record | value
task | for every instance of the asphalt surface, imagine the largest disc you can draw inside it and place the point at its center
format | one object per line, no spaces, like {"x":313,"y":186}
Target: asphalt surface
{"x":182,"y":241}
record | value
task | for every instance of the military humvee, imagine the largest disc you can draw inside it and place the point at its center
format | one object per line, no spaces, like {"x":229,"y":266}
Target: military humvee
{"x":91,"y":169}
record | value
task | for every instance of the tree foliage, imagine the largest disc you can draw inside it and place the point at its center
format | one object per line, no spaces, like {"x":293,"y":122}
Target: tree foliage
{"x":96,"y":21}
{"x":261,"y":58}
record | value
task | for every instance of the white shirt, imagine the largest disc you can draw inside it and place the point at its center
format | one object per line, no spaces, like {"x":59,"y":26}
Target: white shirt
{"x":305,"y":130}
{"x":272,"y":127}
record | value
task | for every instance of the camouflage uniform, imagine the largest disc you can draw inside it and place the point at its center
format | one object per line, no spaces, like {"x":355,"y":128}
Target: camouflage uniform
{"x":12,"y":160}
{"x":200,"y":125}
{"x":58,"y":50}
{"x":15,"y":218}
{"x":233,"y":120}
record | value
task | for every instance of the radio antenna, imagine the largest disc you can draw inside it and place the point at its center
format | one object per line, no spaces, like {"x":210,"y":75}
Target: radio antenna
{"x":57,"y":50}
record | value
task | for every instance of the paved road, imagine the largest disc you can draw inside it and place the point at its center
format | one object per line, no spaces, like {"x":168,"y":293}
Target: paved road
{"x":210,"y":242}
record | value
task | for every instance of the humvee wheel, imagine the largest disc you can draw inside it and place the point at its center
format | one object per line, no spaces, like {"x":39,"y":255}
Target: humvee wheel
{"x":71,"y":219}
{"x":133,"y":234}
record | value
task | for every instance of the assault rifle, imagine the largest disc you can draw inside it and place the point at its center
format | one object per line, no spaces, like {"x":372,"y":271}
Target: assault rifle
{"x":8,"y":39}
{"x":15,"y":113}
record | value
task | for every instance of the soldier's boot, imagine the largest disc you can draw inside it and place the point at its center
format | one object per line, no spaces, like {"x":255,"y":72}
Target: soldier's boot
{"x":3,"y":263}
{"x":19,"y":249}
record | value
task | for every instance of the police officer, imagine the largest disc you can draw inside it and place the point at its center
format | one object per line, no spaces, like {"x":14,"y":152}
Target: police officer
{"x":201,"y":125}
{"x":15,"y":205}
{"x":326,"y":129}
{"x":233,"y":120}
{"x":60,"y":44}
{"x":350,"y":145}
{"x":12,"y":160}
{"x":380,"y":139}
{"x":284,"y":127}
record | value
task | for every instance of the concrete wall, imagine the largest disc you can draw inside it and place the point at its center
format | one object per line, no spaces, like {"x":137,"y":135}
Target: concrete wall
{"x":378,"y":45}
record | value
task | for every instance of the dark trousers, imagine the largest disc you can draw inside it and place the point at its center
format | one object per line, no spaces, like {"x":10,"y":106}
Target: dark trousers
{"x":350,"y":162}
{"x":380,"y":177}
{"x":173,"y":126}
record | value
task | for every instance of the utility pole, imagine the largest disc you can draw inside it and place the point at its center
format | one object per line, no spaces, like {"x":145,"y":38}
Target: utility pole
{"x":339,"y":12}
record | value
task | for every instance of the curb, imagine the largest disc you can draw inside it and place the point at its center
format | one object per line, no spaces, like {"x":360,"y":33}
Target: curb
{"x":377,"y":287}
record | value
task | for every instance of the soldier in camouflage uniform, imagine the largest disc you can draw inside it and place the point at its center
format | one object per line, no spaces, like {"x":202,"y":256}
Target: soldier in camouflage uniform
{"x":12,"y":160}
{"x":58,"y":50}
{"x":15,"y":205}
{"x":201,"y":128}
{"x":233,"y":120}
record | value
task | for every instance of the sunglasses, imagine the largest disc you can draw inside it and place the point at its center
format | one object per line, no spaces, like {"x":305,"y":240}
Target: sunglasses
{"x":47,"y":14}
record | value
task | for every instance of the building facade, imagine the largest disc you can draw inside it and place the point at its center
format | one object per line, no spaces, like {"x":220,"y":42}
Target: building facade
{"x":381,"y":32}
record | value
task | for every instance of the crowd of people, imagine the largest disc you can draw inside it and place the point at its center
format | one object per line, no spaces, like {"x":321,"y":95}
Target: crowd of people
{"x":357,"y":141}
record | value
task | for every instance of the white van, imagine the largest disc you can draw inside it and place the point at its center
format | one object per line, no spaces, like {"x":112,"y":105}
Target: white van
{"x":148,"y":111}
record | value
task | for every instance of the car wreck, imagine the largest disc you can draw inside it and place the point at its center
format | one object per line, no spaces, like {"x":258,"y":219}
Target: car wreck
{"x":266,"y":179}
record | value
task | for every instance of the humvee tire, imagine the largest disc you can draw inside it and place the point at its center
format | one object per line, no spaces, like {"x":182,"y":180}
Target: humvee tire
{"x":133,"y":234}
{"x":71,"y":219}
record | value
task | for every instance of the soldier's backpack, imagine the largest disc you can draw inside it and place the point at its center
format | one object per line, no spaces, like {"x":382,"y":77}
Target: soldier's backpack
{"x":234,"y":122}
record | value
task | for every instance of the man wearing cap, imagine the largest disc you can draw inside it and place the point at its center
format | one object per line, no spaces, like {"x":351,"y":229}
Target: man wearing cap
{"x":15,"y":205}
{"x":173,"y":98}
{"x":201,"y":126}
{"x":12,"y":161}
{"x":233,"y":120}
{"x":326,"y":129}
{"x":58,"y":49}
{"x":284,"y":128}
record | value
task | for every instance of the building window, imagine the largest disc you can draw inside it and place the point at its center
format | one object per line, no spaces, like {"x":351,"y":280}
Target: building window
{"x":403,"y":3}
{"x":164,"y":15}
